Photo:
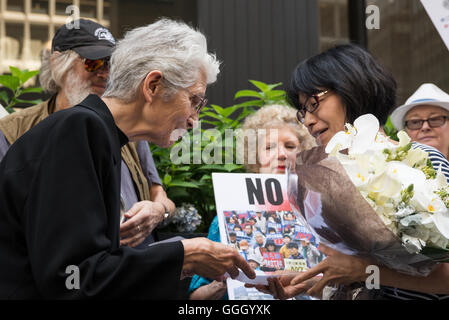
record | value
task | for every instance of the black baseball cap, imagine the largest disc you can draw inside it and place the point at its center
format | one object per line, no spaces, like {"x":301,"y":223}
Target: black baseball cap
{"x":87,"y":38}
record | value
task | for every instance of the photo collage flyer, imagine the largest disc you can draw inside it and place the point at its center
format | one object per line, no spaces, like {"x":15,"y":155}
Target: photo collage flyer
{"x":255,"y":217}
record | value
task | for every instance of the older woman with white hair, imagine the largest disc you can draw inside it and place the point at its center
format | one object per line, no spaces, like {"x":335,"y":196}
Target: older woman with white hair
{"x":77,"y":65}
{"x":60,"y":227}
{"x":270,"y":137}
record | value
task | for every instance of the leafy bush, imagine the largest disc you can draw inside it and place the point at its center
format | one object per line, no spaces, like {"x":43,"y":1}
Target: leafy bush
{"x":390,"y":130}
{"x":15,"y":83}
{"x":192,"y":183}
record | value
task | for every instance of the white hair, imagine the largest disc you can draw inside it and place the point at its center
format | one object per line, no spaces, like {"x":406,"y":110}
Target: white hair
{"x":54,"y":67}
{"x":172,"y":47}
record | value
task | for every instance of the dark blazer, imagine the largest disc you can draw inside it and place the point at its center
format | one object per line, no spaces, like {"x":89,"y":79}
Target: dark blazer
{"x":59,"y":209}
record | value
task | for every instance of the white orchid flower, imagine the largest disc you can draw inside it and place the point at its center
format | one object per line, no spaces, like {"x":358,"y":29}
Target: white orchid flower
{"x":421,"y":218}
{"x":357,"y":137}
{"x":367,"y":127}
{"x":441,"y":221}
{"x":404,"y":138}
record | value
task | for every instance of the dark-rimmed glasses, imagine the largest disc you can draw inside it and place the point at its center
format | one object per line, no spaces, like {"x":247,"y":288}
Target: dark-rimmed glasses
{"x":312,"y":103}
{"x":95,"y":65}
{"x":434,"y":122}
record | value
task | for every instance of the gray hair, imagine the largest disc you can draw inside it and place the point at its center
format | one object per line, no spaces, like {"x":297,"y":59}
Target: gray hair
{"x":172,"y":47}
{"x":54,"y":67}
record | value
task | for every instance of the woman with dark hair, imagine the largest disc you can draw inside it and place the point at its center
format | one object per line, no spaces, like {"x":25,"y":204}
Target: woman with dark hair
{"x":329,"y":90}
{"x":350,"y":81}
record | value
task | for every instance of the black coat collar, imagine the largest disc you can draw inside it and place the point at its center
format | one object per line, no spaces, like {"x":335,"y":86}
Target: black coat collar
{"x":94,"y":103}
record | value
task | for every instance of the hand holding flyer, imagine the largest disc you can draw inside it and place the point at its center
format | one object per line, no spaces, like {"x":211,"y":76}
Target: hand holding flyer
{"x":256,"y":219}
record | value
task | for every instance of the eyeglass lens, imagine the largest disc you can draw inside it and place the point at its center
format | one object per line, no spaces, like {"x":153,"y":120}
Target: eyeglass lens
{"x":434,"y":122}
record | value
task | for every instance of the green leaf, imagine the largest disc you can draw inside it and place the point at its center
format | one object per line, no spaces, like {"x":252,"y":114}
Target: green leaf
{"x":167,"y":179}
{"x":248,"y":93}
{"x":260,"y":85}
{"x":183,"y":168}
{"x":275,"y":94}
{"x":26,"y":75}
{"x":214,"y":123}
{"x":29,"y":101}
{"x":32,"y":90}
{"x":10,"y":82}
{"x":176,"y":192}
{"x":4,"y":97}
{"x":9,"y":109}
{"x":213,"y":115}
{"x":272,"y":86}
{"x":390,"y":130}
{"x":231,"y":167}
{"x":185,"y":184}
{"x":252,"y":103}
{"x":16,"y":72}
{"x":217,"y":109}
{"x":218,"y":167}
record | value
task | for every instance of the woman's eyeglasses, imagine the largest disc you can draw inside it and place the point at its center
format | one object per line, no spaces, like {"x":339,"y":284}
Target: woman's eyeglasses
{"x":312,"y":103}
{"x":95,"y":65}
{"x":198,"y":101}
{"x":434,"y":122}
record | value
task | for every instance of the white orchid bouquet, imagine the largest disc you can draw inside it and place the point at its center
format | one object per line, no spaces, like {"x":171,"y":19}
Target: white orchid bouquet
{"x":365,"y":195}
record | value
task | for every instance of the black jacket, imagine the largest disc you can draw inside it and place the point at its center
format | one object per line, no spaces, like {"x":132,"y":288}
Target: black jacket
{"x":59,"y":207}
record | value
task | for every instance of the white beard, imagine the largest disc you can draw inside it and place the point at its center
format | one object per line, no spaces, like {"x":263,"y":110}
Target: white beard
{"x":76,"y":89}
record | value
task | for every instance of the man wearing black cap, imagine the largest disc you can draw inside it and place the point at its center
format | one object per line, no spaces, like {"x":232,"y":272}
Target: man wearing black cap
{"x":77,"y":66}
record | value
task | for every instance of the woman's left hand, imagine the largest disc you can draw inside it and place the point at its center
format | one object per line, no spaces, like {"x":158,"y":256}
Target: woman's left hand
{"x":143,"y":217}
{"x":337,"y":268}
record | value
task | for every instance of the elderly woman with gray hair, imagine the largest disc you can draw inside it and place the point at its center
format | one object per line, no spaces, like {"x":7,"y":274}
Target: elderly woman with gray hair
{"x":77,"y":65}
{"x":270,"y":137}
{"x":60,"y":181}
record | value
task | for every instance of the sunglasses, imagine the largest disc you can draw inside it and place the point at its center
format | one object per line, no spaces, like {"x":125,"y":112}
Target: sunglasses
{"x":434,"y":122}
{"x":312,"y":103}
{"x":95,"y":65}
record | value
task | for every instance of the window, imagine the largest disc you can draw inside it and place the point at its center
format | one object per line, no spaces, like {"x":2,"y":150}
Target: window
{"x":88,"y":8}
{"x":61,"y":6}
{"x":39,"y":6}
{"x":13,"y":41}
{"x":333,"y":22}
{"x":15,"y":5}
{"x":409,"y":45}
{"x":39,"y":38}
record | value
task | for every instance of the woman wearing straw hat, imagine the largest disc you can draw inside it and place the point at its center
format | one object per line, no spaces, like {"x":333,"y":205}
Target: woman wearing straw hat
{"x":424,"y":117}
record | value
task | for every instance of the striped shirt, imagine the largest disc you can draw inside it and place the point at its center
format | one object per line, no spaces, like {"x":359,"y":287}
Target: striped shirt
{"x":438,"y":162}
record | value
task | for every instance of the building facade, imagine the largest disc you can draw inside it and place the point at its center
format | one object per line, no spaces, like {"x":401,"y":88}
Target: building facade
{"x":255,"y":39}
{"x":27,"y":25}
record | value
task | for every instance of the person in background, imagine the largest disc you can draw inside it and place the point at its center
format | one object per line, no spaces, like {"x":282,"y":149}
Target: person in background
{"x":329,"y":90}
{"x":281,"y":137}
{"x":254,"y":262}
{"x":424,"y":117}
{"x":77,"y":66}
{"x":311,"y":253}
{"x":233,"y":240}
{"x":294,"y":251}
{"x":261,"y":222}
